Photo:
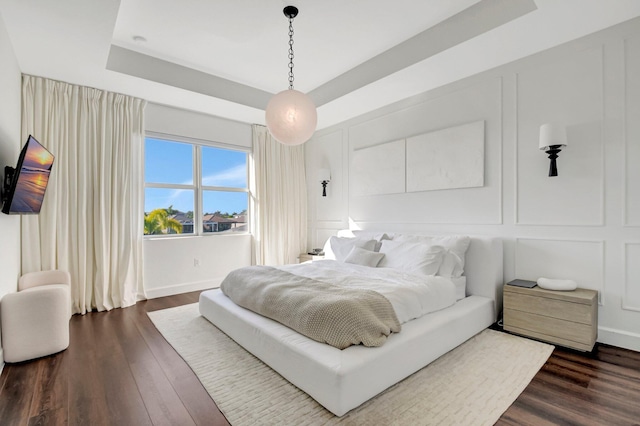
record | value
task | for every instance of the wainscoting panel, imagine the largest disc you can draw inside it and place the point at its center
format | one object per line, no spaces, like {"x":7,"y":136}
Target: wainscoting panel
{"x":632,"y":139}
{"x":322,"y":235}
{"x":570,"y":92}
{"x":326,"y":154}
{"x":631,"y":298}
{"x":583,"y":224}
{"x":481,"y":101}
{"x":581,"y":261}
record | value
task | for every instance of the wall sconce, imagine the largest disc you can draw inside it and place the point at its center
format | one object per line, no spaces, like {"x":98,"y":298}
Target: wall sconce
{"x":324,"y":176}
{"x":553,"y":137}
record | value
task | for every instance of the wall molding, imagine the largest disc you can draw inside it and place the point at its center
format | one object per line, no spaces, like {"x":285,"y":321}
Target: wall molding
{"x":323,"y":230}
{"x":607,"y":58}
{"x":603,"y":134}
{"x":601,"y":243}
{"x":501,"y":102}
{"x":625,"y":305}
{"x":328,"y":224}
{"x":324,"y":207}
{"x":625,"y":139}
{"x":425,"y":98}
{"x":465,"y":224}
{"x":602,"y":117}
{"x":493,"y":85}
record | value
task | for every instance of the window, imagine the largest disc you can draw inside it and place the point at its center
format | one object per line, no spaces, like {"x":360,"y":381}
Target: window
{"x":192,"y":188}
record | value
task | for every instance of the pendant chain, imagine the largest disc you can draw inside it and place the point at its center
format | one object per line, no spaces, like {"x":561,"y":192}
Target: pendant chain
{"x":290,"y":53}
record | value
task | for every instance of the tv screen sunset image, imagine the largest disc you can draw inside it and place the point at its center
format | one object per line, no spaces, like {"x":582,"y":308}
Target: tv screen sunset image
{"x":32,"y":179}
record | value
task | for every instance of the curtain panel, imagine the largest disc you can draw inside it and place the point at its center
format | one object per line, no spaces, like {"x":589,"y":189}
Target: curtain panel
{"x":91,"y":219}
{"x":279,"y":203}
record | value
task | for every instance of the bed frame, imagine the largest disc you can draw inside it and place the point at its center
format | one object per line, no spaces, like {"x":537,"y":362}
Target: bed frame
{"x":341,"y":380}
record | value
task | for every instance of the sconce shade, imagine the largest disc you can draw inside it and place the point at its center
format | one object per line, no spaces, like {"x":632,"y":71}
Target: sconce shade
{"x":291,"y":117}
{"x":324,"y":175}
{"x":552,"y":134}
{"x":553,"y":137}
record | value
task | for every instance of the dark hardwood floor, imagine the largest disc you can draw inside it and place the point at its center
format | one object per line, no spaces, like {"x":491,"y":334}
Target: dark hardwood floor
{"x":119,"y":370}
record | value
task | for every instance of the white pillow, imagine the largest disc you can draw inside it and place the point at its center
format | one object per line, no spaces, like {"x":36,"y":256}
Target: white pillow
{"x":372,"y":235}
{"x":413,"y":257}
{"x":450,"y":264}
{"x":342,"y":246}
{"x":326,"y":249}
{"x":345,"y":233}
{"x":461,"y":287}
{"x":364,"y":257}
{"x":455,"y":247}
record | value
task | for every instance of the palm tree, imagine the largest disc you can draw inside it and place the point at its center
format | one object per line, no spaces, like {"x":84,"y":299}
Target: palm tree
{"x":151,"y":226}
{"x":159,"y":222}
{"x":170,"y":210}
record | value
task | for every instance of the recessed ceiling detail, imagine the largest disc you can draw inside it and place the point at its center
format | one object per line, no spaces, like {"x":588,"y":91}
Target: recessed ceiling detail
{"x":227,"y":58}
{"x":154,"y":69}
{"x":471,"y":22}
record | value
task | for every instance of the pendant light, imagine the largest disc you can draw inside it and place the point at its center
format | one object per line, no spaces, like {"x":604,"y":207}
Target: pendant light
{"x":291,"y":115}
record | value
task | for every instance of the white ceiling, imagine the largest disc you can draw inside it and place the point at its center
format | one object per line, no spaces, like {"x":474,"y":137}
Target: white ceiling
{"x":228,"y":57}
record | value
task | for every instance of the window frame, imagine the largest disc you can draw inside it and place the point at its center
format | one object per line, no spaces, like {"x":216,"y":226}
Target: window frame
{"x":197,"y":186}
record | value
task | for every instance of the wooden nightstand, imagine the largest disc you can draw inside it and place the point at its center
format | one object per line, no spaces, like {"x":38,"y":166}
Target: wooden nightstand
{"x":566,"y":318}
{"x":305,"y":257}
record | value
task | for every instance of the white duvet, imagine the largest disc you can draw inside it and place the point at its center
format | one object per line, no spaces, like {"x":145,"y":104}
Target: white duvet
{"x":411,"y":296}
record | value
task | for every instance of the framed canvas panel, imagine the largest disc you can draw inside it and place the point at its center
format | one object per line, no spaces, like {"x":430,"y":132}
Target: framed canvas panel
{"x":446,"y":159}
{"x":378,"y":169}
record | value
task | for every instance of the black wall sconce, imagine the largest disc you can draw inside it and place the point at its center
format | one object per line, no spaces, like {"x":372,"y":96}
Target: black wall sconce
{"x":553,"y":137}
{"x":324,"y":175}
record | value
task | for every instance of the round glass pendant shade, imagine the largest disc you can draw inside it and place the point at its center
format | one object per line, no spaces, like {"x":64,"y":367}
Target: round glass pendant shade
{"x":291,"y":117}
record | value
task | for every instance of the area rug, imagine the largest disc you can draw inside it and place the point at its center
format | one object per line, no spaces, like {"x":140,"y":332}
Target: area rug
{"x":470,"y":385}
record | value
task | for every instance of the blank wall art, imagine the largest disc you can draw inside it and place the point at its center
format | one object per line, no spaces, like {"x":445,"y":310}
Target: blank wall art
{"x":378,"y":169}
{"x":446,"y":159}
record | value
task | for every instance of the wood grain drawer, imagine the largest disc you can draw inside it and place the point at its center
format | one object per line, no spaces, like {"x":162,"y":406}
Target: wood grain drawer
{"x":576,"y":312}
{"x":552,"y":327}
{"x":552,"y":339}
{"x":567,"y":318}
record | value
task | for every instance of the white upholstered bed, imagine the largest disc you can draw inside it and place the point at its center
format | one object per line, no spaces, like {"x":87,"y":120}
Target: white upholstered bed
{"x":341,"y":380}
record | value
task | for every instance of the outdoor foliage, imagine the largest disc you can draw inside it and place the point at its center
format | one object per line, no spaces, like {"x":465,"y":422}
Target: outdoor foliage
{"x":158,"y":222}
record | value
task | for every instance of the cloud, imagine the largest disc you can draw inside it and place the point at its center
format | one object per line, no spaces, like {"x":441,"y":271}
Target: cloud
{"x":234,"y":176}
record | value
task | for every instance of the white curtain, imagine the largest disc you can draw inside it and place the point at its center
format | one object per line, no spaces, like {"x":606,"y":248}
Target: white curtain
{"x":278,"y":184}
{"x":91,"y":220}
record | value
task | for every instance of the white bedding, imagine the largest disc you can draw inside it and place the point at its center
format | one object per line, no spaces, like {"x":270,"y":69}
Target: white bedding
{"x":411,"y":296}
{"x":341,"y":380}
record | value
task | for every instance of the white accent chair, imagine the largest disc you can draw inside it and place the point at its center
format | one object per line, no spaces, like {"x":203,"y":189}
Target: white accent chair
{"x":35,"y":320}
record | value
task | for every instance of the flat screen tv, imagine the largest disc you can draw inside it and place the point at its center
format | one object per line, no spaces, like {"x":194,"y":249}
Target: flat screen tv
{"x":24,"y":186}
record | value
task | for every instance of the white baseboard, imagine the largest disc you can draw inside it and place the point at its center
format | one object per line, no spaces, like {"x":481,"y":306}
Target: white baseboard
{"x":620,"y":338}
{"x":182,"y":288}
{"x":1,"y":360}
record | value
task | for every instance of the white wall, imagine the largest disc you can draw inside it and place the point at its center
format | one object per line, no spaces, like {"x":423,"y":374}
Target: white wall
{"x":10,"y":81}
{"x":583,"y":224}
{"x":182,"y":264}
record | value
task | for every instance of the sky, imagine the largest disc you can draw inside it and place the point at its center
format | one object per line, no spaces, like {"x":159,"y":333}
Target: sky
{"x":171,"y":162}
